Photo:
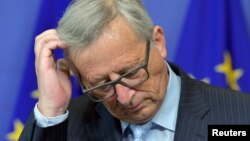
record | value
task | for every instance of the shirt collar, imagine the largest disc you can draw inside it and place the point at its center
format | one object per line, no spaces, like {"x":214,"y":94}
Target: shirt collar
{"x":167,"y":115}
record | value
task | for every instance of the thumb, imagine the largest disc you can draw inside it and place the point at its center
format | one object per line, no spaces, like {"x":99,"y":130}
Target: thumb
{"x":63,"y":67}
{"x":63,"y":72}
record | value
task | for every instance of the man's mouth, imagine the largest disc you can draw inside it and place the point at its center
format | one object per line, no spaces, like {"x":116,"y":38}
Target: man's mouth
{"x":135,"y":108}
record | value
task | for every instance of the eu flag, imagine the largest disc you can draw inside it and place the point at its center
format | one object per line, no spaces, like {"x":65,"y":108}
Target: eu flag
{"x":50,"y":13}
{"x":214,"y":45}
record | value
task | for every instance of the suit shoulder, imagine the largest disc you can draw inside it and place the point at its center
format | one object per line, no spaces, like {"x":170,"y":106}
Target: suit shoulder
{"x":226,"y":106}
{"x":208,"y":89}
{"x":82,"y":107}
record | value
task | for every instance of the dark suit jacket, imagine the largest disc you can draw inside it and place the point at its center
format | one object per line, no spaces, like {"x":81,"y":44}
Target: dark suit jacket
{"x":200,"y":105}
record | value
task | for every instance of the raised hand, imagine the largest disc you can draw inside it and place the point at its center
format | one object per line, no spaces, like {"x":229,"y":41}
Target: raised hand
{"x":52,"y":75}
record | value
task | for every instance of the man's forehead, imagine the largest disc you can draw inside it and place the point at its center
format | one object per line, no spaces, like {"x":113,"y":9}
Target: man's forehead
{"x":97,"y":63}
{"x":109,"y":47}
{"x":108,"y":55}
{"x":118,"y":43}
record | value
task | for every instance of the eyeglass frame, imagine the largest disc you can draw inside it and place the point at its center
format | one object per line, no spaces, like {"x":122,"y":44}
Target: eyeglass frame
{"x":118,"y":80}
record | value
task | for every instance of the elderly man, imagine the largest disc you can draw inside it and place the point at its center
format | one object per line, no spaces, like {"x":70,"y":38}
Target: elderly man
{"x":129,"y":91}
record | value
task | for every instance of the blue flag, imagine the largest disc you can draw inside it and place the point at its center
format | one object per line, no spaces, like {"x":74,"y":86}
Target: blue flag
{"x":49,"y":15}
{"x":214,"y":45}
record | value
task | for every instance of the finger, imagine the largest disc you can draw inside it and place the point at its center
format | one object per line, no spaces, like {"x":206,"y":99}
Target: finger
{"x":63,"y":66}
{"x":45,"y":59}
{"x":63,"y":72}
{"x":43,"y":41}
{"x":46,"y":53}
{"x":45,"y":33}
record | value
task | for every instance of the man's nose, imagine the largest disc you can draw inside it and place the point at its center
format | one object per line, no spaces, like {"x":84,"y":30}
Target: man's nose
{"x":124,"y":94}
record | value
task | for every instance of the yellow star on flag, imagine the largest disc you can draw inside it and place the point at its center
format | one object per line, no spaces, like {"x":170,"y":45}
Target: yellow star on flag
{"x":35,"y":94}
{"x":232,"y":76}
{"x":14,"y":135}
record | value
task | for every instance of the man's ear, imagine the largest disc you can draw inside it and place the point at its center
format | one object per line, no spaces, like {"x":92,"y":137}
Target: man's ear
{"x":159,"y":41}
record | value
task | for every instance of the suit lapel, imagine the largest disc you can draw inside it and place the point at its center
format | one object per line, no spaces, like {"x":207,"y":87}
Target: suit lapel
{"x":192,"y":109}
{"x":105,"y":127}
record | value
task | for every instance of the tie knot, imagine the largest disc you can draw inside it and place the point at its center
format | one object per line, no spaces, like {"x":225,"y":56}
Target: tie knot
{"x":139,"y":131}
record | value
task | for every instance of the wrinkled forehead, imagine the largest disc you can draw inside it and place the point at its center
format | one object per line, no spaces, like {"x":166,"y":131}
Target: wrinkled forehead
{"x":109,"y":56}
{"x":117,"y":42}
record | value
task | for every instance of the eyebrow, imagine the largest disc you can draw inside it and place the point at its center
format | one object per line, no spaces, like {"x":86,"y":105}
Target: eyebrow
{"x":95,"y":81}
{"x":131,"y":67}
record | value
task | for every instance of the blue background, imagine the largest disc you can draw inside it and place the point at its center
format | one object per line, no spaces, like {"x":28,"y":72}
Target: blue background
{"x":17,"y":25}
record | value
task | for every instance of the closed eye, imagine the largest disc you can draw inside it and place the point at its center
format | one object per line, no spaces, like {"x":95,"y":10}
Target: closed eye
{"x":132,"y":75}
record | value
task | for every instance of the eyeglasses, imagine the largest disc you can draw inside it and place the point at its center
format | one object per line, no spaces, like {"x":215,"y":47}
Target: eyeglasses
{"x":129,"y":79}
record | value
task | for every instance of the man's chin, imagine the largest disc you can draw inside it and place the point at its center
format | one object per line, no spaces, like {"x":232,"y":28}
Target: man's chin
{"x":139,"y":117}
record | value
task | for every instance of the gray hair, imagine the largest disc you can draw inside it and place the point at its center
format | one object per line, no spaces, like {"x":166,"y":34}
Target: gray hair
{"x":84,"y":20}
